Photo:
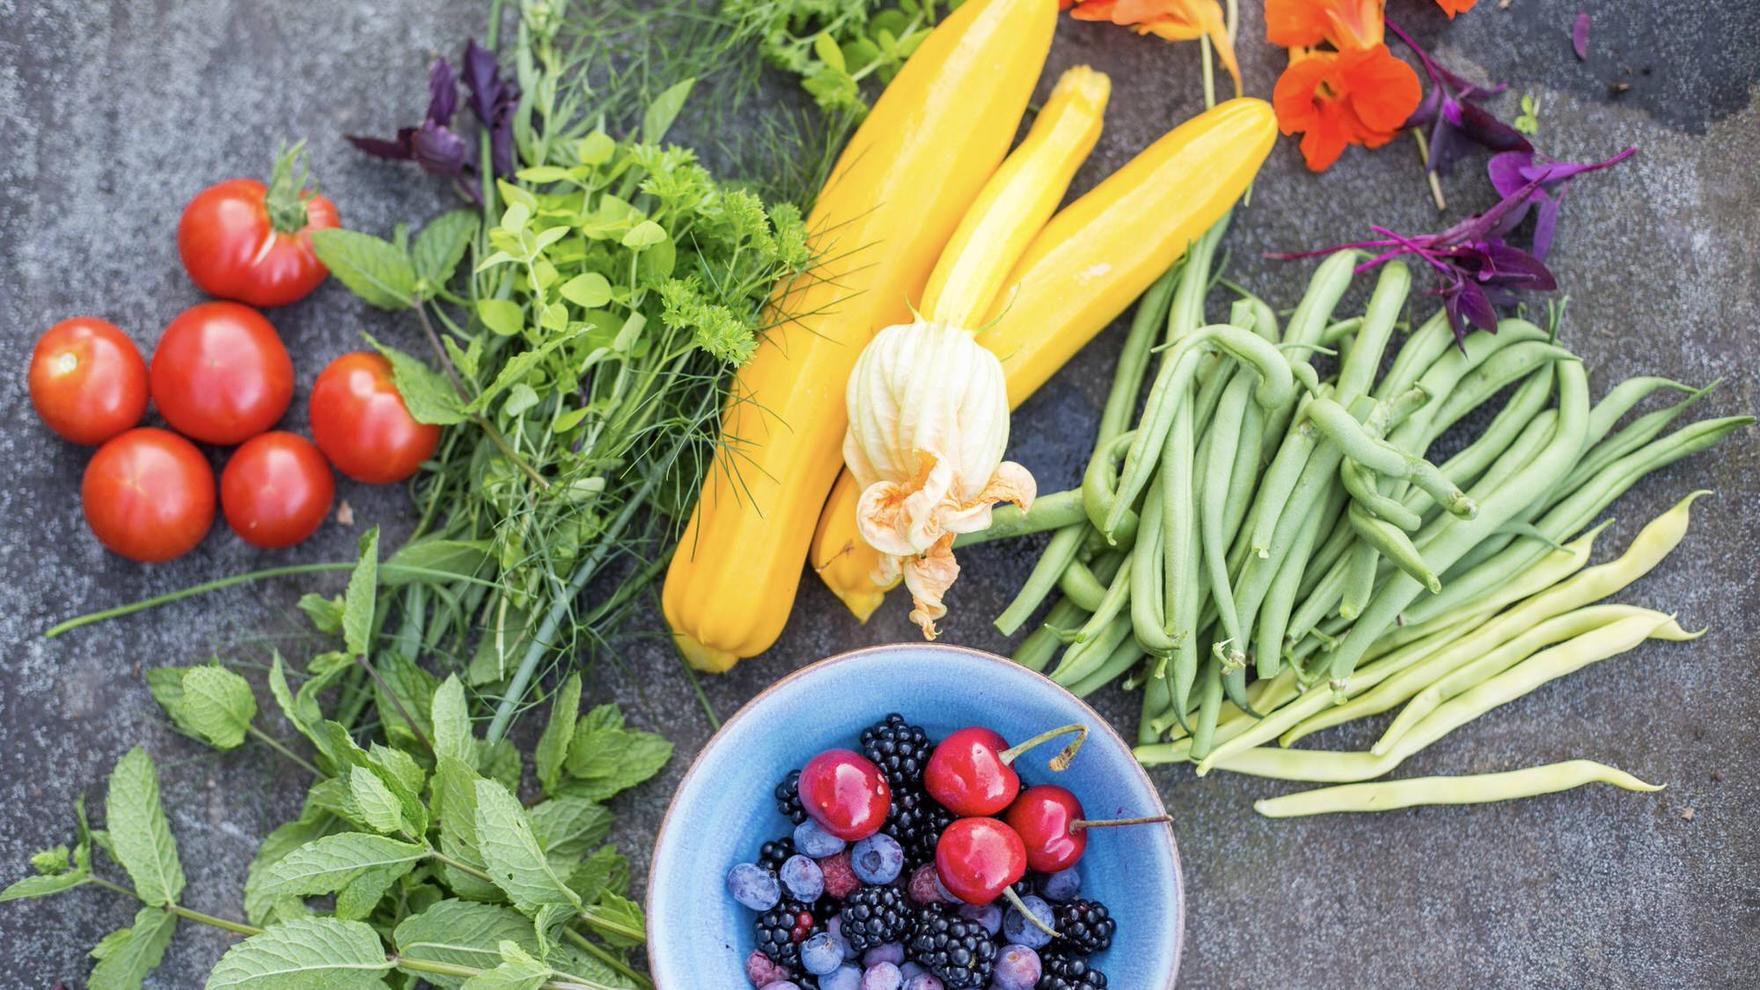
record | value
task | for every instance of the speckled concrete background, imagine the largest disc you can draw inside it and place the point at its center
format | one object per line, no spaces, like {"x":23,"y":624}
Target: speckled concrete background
{"x":113,"y":114}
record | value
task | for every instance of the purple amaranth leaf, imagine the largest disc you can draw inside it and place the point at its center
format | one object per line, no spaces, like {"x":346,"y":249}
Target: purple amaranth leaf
{"x":439,"y":151}
{"x":1580,"y":36}
{"x":1538,"y":184}
{"x":398,"y":149}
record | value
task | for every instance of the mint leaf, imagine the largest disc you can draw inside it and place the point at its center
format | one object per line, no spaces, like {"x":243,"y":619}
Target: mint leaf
{"x":358,"y":601}
{"x":324,"y":613}
{"x":43,"y":885}
{"x":511,"y":852}
{"x":440,"y":247}
{"x":139,"y":833}
{"x":304,"y":954}
{"x":450,"y":716}
{"x":602,"y":762}
{"x":664,"y":109}
{"x":569,"y":826}
{"x":441,"y":558}
{"x":604,"y":871}
{"x":618,"y":919}
{"x":518,"y":971}
{"x":373,"y":269}
{"x":455,"y":808}
{"x":461,"y":933}
{"x":357,"y":898}
{"x":125,"y":957}
{"x":552,"y":748}
{"x":375,"y":803}
{"x":326,"y":865}
{"x":427,"y":394}
{"x":217,"y":706}
{"x":260,"y":908}
{"x":401,"y":687}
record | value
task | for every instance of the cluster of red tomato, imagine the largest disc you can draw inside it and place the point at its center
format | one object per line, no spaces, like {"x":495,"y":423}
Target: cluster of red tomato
{"x":220,"y":375}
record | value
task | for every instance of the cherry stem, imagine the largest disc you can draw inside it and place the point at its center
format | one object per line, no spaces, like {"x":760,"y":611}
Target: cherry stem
{"x":1061,"y":761}
{"x":1032,"y":919}
{"x":1080,"y":823}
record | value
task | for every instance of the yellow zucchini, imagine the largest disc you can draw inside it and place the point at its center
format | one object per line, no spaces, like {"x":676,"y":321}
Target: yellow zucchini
{"x":1090,"y":262}
{"x":893,"y":200}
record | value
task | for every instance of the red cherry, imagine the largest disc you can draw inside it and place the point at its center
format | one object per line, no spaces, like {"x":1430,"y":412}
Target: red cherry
{"x":970,"y":772}
{"x":846,"y":794}
{"x":1050,"y":822}
{"x":979,"y":858}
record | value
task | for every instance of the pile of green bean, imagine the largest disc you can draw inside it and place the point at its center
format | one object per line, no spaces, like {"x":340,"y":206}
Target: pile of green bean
{"x":1262,"y":541}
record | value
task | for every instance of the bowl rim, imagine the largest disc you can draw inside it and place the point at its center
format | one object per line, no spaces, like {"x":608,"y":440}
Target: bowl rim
{"x":1100,"y":721}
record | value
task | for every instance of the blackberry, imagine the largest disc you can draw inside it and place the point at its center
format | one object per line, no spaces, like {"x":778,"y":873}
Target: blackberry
{"x":788,"y":798}
{"x":875,"y":916}
{"x":775,"y":853}
{"x":1065,"y":972}
{"x":958,"y":951}
{"x":1085,"y":927}
{"x":781,"y":931}
{"x":899,"y":749}
{"x":917,"y":821}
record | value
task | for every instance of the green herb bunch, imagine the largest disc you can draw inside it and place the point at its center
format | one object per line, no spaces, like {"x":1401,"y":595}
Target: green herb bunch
{"x":834,"y":45}
{"x":412,"y":859}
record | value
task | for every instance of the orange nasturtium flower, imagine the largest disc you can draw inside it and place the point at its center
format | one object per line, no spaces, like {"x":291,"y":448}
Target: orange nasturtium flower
{"x":1337,"y":99}
{"x":1453,"y":7}
{"x":1174,"y":20}
{"x":1346,"y":24}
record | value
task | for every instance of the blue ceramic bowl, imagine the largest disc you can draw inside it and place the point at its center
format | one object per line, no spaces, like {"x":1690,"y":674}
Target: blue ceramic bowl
{"x":699,"y":937}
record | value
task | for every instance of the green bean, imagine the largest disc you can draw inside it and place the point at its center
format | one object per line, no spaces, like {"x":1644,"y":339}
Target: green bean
{"x":1133,"y":361}
{"x":1084,"y":657}
{"x":1641,"y":431}
{"x":1465,"y":467}
{"x":1049,"y":512}
{"x":1357,"y":372}
{"x":1542,"y":668}
{"x":1279,"y":481}
{"x":1472,"y":789}
{"x":1187,"y":312}
{"x":1124,"y":656}
{"x":1147,"y":599}
{"x":1042,"y":643}
{"x":1514,"y":363}
{"x":1384,"y":458}
{"x":1455,"y":536}
{"x":1209,"y":708}
{"x":1339,"y":331}
{"x":1360,"y":482}
{"x":1100,"y":497}
{"x":1255,"y":314}
{"x":1062,"y":549}
{"x":1111,"y":604}
{"x":1219,"y":482}
{"x":1392,"y":542}
{"x":1554,"y":630}
{"x":1420,"y":350}
{"x":1243,"y":475}
{"x":1274,"y":614}
{"x":1183,"y":584}
{"x":1079,"y":585}
{"x":1210,"y":396}
{"x":1326,"y":287}
{"x":1359,"y":579}
{"x":1625,"y":396}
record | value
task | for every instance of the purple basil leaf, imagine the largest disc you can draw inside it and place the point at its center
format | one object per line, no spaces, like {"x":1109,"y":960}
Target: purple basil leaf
{"x":482,"y":76}
{"x":1580,"y":36}
{"x":1546,"y":223}
{"x":398,"y":150}
{"x":1514,"y":268}
{"x":1506,"y":171}
{"x":442,"y":93}
{"x":1472,"y":306}
{"x":439,"y":151}
{"x":1486,"y":130}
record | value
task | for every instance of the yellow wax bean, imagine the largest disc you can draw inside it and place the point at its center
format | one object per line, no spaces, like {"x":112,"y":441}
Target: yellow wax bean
{"x":1484,"y":788}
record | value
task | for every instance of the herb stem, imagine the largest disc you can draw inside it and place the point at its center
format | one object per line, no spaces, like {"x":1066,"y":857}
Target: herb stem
{"x":1430,"y":173}
{"x":464,"y":868}
{"x":188,"y":914}
{"x":598,"y":952}
{"x":280,"y":747}
{"x":481,"y":420}
{"x":611,"y":926}
{"x":415,"y":728}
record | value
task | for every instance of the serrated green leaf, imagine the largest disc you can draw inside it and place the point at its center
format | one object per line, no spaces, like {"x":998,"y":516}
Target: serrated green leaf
{"x":406,"y":779}
{"x":215,"y":706}
{"x":511,"y":853}
{"x":603,"y":762}
{"x":455,"y":809}
{"x":518,"y":970}
{"x":326,"y":865}
{"x":569,"y":826}
{"x":360,"y":598}
{"x":618,"y":920}
{"x":44,"y":885}
{"x":373,"y":269}
{"x":139,"y":832}
{"x":518,"y":367}
{"x":605,"y":871}
{"x":441,"y":245}
{"x":325,"y":613}
{"x":451,"y":720}
{"x":125,"y":957}
{"x":461,"y":933}
{"x":426,"y":393}
{"x":552,"y":748}
{"x":377,"y":806}
{"x":664,"y":109}
{"x":304,"y":954}
{"x":361,"y":895}
{"x":460,"y":558}
{"x":501,"y":761}
{"x":588,"y":290}
{"x":260,"y":908}
{"x":403,"y":688}
{"x":165,"y":684}
{"x":607,"y":716}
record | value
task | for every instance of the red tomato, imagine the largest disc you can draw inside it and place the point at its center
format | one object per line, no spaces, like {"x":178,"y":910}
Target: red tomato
{"x":149,"y":495}
{"x":361,"y":424}
{"x":276,"y":490}
{"x":243,"y":240}
{"x":220,"y":374}
{"x":87,"y":380}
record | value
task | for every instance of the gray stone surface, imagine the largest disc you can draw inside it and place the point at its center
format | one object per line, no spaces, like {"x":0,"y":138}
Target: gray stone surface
{"x":112,"y":115}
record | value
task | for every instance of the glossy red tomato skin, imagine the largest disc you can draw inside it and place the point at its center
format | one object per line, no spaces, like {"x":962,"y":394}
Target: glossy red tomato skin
{"x":1044,"y":817}
{"x":148,"y":495}
{"x":276,"y":490}
{"x":361,"y":424}
{"x":978,"y":858}
{"x":967,"y":775}
{"x":232,"y":250}
{"x":87,"y":380}
{"x":845,"y":793}
{"x":220,"y":374}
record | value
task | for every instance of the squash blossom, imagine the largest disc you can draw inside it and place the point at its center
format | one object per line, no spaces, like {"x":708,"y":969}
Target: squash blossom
{"x":928,"y":423}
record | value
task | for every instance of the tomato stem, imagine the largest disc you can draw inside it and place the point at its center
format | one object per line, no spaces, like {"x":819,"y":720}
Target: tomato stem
{"x":286,"y":199}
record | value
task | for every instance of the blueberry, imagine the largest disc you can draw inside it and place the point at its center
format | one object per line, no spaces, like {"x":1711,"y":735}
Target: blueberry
{"x":784,"y":985}
{"x":878,"y":859}
{"x":812,"y":840}
{"x":834,"y":928}
{"x":1017,"y":929}
{"x":882,"y":976}
{"x":988,"y":915}
{"x":912,"y":968}
{"x":1017,"y":968}
{"x":753,"y":886}
{"x":891,"y":952}
{"x":803,"y":879}
{"x":820,"y":954}
{"x":942,"y":892}
{"x":1064,"y":885}
{"x":924,"y":981}
{"x":842,"y":978}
